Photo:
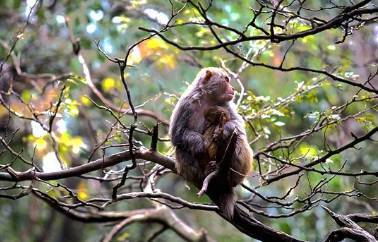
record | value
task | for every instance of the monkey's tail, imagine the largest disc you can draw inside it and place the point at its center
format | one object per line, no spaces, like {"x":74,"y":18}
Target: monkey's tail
{"x":224,"y":198}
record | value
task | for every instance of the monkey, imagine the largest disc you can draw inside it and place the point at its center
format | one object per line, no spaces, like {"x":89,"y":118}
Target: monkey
{"x":216,"y":117}
{"x":210,"y":88}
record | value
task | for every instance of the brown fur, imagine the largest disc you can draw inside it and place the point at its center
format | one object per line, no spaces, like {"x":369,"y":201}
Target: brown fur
{"x":201,"y":124}
{"x":216,"y":118}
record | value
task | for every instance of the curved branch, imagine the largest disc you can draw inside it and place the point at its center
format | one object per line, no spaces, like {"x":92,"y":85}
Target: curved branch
{"x":166,"y":217}
{"x":367,"y":136}
{"x":133,"y":111}
{"x":333,"y":23}
{"x":247,"y":224}
{"x":161,"y":215}
{"x":242,"y":221}
{"x":101,"y":163}
{"x":349,"y":229}
{"x":359,"y":217}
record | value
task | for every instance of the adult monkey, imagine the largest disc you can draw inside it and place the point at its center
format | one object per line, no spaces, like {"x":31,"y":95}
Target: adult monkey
{"x":210,"y":88}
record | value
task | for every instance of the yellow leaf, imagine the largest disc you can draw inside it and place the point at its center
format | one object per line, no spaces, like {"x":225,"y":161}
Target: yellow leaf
{"x":85,"y":100}
{"x":179,"y":21}
{"x":65,"y":138}
{"x":156,"y":43}
{"x":26,"y":96}
{"x":108,"y":84}
{"x":76,"y":144}
{"x":122,"y":237}
{"x":168,"y":61}
{"x":331,"y":47}
{"x":137,"y":3}
{"x":72,"y":107}
{"x":53,"y":193}
{"x":82,"y":191}
{"x":308,"y":151}
{"x":67,"y":142}
{"x":307,"y":39}
{"x":202,"y":31}
{"x":303,"y":27}
{"x":40,"y":143}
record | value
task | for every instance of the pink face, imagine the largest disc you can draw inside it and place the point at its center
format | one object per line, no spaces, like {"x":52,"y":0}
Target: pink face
{"x":229,"y":90}
{"x":225,"y":91}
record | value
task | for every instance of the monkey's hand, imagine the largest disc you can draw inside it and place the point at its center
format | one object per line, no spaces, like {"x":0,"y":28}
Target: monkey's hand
{"x":230,"y":127}
{"x":195,"y":143}
{"x":218,"y":134}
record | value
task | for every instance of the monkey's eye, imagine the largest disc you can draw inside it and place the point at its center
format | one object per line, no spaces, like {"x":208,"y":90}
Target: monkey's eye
{"x":227,"y":79}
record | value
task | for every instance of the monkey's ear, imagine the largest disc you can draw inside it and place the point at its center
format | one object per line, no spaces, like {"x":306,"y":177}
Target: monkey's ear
{"x":207,"y":76}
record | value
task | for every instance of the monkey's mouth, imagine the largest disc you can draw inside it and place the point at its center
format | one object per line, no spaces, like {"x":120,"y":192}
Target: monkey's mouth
{"x":229,"y":96}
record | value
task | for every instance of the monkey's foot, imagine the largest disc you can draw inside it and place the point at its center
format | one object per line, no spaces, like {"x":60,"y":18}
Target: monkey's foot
{"x":205,"y":183}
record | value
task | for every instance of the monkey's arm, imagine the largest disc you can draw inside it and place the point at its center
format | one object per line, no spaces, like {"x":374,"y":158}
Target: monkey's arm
{"x":230,"y":126}
{"x":235,"y":123}
{"x":182,"y":136}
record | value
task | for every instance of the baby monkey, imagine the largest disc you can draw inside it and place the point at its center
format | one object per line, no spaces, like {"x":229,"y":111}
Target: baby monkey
{"x":217,"y":117}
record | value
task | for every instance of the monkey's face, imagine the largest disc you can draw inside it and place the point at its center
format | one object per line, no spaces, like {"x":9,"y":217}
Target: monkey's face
{"x":228,"y":93}
{"x":217,"y":85}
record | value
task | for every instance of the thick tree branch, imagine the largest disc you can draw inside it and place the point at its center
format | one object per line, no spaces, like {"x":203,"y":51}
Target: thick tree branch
{"x":243,"y":221}
{"x":350,"y":229}
{"x":333,"y":23}
{"x":164,"y":216}
{"x":89,"y":167}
